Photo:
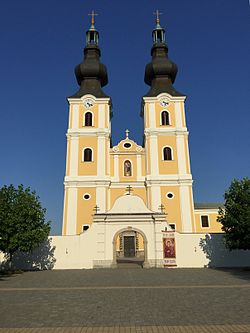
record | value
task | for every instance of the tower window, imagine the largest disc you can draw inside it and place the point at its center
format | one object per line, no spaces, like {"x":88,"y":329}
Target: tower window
{"x":165,"y":118}
{"x":204,"y":221}
{"x":87,"y":155}
{"x":127,"y":169}
{"x":167,"y":154}
{"x":88,"y":121}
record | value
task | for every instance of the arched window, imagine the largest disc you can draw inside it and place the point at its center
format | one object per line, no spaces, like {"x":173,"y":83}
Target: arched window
{"x":165,"y":118}
{"x":167,"y":154}
{"x":87,"y":155}
{"x":127,"y":168}
{"x":88,"y":119}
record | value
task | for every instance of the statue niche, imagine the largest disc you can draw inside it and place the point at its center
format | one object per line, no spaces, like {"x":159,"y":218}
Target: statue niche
{"x":127,"y":168}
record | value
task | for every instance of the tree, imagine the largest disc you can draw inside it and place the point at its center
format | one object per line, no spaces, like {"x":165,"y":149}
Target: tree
{"x":235,"y":216}
{"x":22,"y":220}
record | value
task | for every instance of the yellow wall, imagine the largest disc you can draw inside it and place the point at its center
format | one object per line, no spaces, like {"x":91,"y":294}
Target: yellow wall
{"x":172,"y":206}
{"x":85,"y":208}
{"x":167,"y":167}
{"x":93,"y":110}
{"x":214,"y":226}
{"x":87,"y":168}
{"x":118,"y":192}
{"x":158,"y":111}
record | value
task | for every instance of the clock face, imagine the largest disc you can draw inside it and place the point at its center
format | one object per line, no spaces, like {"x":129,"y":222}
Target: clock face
{"x":88,"y":103}
{"x":164,"y":102}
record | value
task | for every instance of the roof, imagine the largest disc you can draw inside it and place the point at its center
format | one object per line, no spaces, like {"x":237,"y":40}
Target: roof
{"x":208,"y":205}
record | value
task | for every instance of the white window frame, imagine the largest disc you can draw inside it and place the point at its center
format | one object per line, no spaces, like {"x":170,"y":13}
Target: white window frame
{"x":169,"y":118}
{"x":83,"y":122}
{"x":172,"y":153}
{"x":92,"y":155}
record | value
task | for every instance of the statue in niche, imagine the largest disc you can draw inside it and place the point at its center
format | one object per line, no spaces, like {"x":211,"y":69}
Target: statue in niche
{"x":127,"y":169}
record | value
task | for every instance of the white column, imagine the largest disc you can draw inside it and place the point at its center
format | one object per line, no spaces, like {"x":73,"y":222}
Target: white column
{"x":178,"y":115}
{"x":101,"y":198}
{"x":181,"y":154}
{"x":72,"y":211}
{"x":152,"y":121}
{"x":116,"y":167}
{"x":75,"y":117}
{"x":101,"y":154}
{"x":101,"y":116}
{"x":139,"y":167}
{"x":155,"y":197}
{"x":73,"y":163}
{"x":185,"y":209}
{"x":154,"y":169}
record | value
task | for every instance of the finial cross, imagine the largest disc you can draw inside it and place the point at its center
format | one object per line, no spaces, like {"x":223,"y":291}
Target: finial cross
{"x":162,"y":208}
{"x":96,"y":209}
{"x":93,"y":14}
{"x":129,"y":190}
{"x":127,"y":133}
{"x":157,"y":14}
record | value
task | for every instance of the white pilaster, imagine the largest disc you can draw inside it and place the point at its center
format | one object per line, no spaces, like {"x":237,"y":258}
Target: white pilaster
{"x":71,"y":211}
{"x":101,"y":116}
{"x":116,"y":167}
{"x":185,"y":203}
{"x":73,"y":163}
{"x":155,"y":197}
{"x":101,"y":156}
{"x":154,"y":168}
{"x":101,"y":198}
{"x":181,"y":154}
{"x":151,"y":113}
{"x":178,"y":118}
{"x":139,"y":167}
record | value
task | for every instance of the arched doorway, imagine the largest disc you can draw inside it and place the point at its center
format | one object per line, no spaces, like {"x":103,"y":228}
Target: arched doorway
{"x":130,"y":246}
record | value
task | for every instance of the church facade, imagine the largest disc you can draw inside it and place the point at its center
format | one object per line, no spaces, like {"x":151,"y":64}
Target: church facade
{"x":130,"y":200}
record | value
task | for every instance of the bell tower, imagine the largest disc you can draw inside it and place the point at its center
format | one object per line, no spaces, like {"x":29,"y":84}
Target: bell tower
{"x":168,"y":176}
{"x":88,"y":140}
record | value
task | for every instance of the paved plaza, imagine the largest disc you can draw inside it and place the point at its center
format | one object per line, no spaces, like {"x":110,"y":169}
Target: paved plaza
{"x":126,"y":300}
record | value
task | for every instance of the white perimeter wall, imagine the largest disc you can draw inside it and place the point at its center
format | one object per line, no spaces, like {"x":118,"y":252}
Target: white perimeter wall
{"x":77,"y":252}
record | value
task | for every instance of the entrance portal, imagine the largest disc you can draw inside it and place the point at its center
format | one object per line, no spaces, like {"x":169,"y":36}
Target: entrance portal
{"x":129,"y":246}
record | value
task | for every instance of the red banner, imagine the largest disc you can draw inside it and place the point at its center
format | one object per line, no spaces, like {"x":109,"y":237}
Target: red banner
{"x":169,"y":253}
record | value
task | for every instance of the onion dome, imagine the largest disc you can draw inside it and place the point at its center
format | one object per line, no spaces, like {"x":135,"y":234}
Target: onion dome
{"x":91,"y":75}
{"x":161,"y":72}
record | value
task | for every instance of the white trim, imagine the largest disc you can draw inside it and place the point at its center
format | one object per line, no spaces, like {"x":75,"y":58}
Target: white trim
{"x":151,"y":115}
{"x":88,"y":131}
{"x":85,"y":198}
{"x":73,"y":158}
{"x":153,"y":144}
{"x":101,"y":153}
{"x":164,"y":95}
{"x":166,"y":131}
{"x":171,"y":197}
{"x":185,"y":208}
{"x":75,"y":117}
{"x":208,"y":219}
{"x":172,"y":153}
{"x":139,"y":167}
{"x":116,"y":166}
{"x":169,"y":118}
{"x":93,"y":119}
{"x":92,"y":154}
{"x":71,"y":211}
{"x":81,"y":100}
{"x":155,"y":198}
{"x":181,"y":154}
{"x":178,"y":115}
{"x":101,"y":116}
{"x":101,"y":199}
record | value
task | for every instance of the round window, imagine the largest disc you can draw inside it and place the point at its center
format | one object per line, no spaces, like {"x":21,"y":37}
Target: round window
{"x":127,"y":145}
{"x":86,"y":196}
{"x":170,"y":195}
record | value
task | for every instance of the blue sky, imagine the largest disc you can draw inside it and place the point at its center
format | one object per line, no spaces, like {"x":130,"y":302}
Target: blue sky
{"x":42,"y":41}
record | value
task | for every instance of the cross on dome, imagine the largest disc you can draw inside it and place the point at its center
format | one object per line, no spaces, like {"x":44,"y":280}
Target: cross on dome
{"x":93,"y":14}
{"x":127,"y":133}
{"x":157,"y":14}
